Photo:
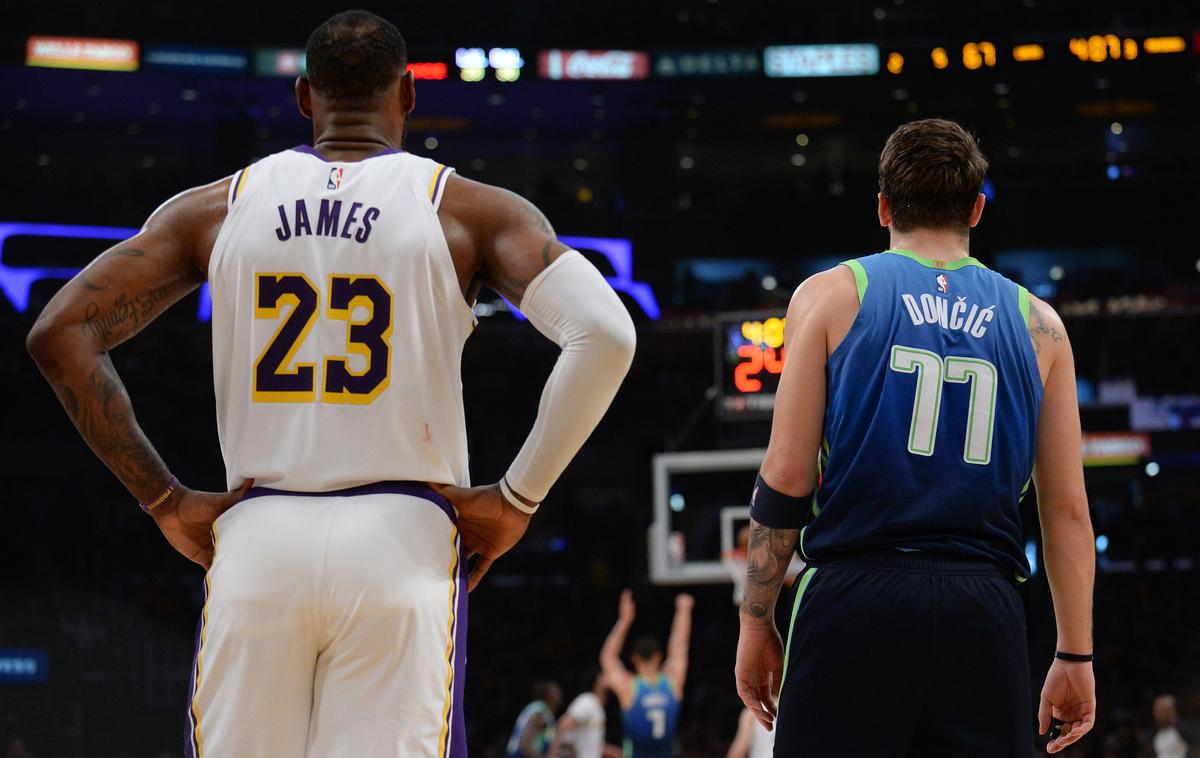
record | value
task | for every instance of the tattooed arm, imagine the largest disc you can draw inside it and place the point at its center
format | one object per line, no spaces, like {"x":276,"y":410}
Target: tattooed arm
{"x":818,"y":318}
{"x":1067,"y":538}
{"x":767,"y":559}
{"x":107,"y":303}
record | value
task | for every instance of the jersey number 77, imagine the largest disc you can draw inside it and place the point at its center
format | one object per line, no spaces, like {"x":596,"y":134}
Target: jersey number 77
{"x":931,"y":370}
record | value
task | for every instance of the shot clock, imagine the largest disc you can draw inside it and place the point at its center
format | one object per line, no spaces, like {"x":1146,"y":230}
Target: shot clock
{"x":749,"y":354}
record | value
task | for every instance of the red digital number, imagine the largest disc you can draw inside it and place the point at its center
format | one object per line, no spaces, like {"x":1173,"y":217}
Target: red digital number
{"x":743,"y":374}
{"x":773,"y":360}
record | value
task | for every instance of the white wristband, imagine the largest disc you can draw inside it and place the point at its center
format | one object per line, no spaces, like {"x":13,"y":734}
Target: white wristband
{"x":515,"y":501}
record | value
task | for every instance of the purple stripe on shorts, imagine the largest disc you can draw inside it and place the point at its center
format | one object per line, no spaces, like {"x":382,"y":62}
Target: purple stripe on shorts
{"x":458,"y":727}
{"x":189,"y":723}
{"x":310,"y":150}
{"x":412,"y":489}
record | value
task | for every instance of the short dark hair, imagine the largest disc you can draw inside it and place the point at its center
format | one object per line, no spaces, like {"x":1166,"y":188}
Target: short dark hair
{"x":355,"y":55}
{"x":931,"y":172}
{"x":543,"y":688}
{"x":645,"y":648}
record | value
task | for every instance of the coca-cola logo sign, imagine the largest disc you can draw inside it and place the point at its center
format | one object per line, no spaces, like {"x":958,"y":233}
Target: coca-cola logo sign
{"x":593,"y":64}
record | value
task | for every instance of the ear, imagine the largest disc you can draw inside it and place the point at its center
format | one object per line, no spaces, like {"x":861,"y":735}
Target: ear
{"x":304,"y":97}
{"x":977,"y":211}
{"x":408,"y":92}
{"x":885,"y":211}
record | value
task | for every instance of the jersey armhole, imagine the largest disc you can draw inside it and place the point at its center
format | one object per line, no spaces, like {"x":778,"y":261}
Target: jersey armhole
{"x":1023,"y":304}
{"x":437,"y":185}
{"x":238,"y":184}
{"x":860,"y":277}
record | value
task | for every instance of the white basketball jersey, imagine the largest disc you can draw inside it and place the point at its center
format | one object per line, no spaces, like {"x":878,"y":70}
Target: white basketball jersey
{"x":338,"y":325}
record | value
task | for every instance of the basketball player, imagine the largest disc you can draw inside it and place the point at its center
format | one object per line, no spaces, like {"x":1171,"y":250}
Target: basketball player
{"x":921,"y":391}
{"x":580,"y":732}
{"x":534,"y":731}
{"x":342,"y":279}
{"x":753,"y":740}
{"x":651,"y":694}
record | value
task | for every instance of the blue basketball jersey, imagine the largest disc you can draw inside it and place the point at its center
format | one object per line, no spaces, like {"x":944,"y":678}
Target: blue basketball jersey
{"x":931,"y":415}
{"x":651,"y":721}
{"x":541,"y":740}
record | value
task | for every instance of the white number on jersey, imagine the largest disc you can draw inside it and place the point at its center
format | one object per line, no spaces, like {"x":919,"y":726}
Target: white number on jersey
{"x":931,"y":370}
{"x":658,"y":722}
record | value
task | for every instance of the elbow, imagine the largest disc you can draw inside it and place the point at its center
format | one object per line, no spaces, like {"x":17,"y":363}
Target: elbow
{"x":40,"y":340}
{"x":617,"y":340}
{"x":1066,"y":511}
{"x":789,"y":477}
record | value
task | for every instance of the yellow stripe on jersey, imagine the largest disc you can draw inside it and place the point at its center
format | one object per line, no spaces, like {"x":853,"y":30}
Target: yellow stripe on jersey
{"x":434,"y":180}
{"x":241,"y":183}
{"x":199,"y":741}
{"x":446,"y":716}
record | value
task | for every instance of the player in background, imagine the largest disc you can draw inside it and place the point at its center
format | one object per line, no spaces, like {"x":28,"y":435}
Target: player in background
{"x":753,"y":740}
{"x":343,"y":276}
{"x":650,"y":695}
{"x":924,"y":389}
{"x":535,"y":728}
{"x":580,"y":732}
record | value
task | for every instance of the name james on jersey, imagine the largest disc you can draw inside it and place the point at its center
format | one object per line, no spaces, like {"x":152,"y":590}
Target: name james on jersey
{"x":328,"y":221}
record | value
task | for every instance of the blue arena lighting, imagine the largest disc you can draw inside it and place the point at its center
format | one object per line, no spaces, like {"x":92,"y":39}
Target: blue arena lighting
{"x":16,"y":281}
{"x":619,"y":253}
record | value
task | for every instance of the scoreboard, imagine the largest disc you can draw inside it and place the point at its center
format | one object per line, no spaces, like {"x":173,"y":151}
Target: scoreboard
{"x":748,"y":360}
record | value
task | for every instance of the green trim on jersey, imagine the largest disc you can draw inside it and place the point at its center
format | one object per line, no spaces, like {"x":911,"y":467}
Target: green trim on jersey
{"x":787,"y":651}
{"x":860,"y":277}
{"x":1023,"y":303}
{"x":942,"y":265}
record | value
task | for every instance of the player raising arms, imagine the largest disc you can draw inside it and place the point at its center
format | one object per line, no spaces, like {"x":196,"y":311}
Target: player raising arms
{"x":649,"y":696}
{"x":927,"y":389}
{"x":342,"y":278}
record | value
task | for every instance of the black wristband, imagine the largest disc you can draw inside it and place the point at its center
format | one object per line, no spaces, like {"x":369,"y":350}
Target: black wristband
{"x":1073,"y":657}
{"x":776,"y":510}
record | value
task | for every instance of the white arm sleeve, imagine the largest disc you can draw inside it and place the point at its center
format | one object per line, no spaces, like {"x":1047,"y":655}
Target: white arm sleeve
{"x":571,"y":304}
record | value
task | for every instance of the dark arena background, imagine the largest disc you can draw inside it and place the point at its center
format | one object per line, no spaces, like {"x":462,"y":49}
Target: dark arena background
{"x":707,"y":155}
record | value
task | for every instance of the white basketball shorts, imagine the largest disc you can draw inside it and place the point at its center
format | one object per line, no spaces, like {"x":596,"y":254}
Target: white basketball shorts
{"x":334,"y":624}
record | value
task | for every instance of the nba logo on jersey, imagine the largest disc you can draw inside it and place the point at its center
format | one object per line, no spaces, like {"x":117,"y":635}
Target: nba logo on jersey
{"x":335,"y":178}
{"x":942,"y":282}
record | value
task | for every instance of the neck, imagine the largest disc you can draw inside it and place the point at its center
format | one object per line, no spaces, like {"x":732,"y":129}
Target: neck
{"x":646,"y":672}
{"x":350,"y":135}
{"x":936,"y":244}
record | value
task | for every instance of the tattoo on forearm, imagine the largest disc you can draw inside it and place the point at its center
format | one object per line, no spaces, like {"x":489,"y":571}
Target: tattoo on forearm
{"x":768,"y":556}
{"x":90,"y":284}
{"x":127,"y":314}
{"x":1038,"y":328}
{"x":105,"y":418}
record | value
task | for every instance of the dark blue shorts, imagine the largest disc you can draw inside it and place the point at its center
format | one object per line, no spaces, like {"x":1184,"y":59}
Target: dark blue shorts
{"x":899,"y":654}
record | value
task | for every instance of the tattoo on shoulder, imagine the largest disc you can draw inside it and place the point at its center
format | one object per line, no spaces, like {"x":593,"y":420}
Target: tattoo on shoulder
{"x":1038,"y":328}
{"x":768,"y":555}
{"x":536,"y":216}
